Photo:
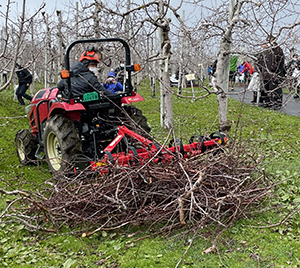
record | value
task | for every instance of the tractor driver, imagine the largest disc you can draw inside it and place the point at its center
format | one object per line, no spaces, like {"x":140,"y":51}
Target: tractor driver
{"x":83,"y":78}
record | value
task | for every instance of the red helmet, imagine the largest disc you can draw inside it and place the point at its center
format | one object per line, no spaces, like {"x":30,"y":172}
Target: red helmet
{"x":89,"y":55}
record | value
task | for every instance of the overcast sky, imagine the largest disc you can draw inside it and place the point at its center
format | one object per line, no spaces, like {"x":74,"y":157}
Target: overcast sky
{"x":191,"y":14}
{"x":31,"y":6}
{"x":52,"y":5}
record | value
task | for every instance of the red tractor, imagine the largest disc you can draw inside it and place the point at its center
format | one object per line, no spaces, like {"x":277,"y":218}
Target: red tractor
{"x":72,"y":133}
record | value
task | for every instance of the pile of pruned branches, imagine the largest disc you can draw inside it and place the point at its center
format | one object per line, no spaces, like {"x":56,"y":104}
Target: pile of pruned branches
{"x":208,"y":188}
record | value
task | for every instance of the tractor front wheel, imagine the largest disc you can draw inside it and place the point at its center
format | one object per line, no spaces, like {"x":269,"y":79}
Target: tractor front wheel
{"x":62,"y":143}
{"x":26,"y":146}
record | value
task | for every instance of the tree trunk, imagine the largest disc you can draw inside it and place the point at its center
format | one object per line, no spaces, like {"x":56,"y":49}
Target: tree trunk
{"x":47,"y":52}
{"x":165,"y":90}
{"x":32,"y":86}
{"x":168,"y":104}
{"x":60,"y":41}
{"x":180,"y":65}
{"x":223,"y":65}
{"x":127,"y":22}
{"x":153,"y":73}
{"x":223,"y":81}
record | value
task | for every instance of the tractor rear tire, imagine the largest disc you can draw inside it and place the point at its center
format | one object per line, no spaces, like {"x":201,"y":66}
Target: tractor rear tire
{"x":62,"y":143}
{"x":138,"y":117}
{"x":26,"y":146}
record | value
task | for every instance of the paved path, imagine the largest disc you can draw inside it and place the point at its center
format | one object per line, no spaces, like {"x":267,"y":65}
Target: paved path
{"x":291,"y":106}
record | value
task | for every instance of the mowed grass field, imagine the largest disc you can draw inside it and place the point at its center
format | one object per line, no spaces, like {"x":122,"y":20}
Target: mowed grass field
{"x":271,"y":134}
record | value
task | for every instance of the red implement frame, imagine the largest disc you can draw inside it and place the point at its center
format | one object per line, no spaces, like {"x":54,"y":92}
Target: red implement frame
{"x":151,"y":150}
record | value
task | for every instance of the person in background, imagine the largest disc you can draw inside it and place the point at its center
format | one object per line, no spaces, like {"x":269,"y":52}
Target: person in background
{"x":214,"y":74}
{"x":232,"y":70}
{"x":240,"y":68}
{"x":263,"y":66}
{"x":280,"y":72}
{"x":24,"y":79}
{"x":112,"y":84}
{"x":210,"y":72}
{"x":293,"y":70}
{"x":271,"y":67}
{"x":255,"y":87}
{"x":248,"y":71}
{"x":4,"y":75}
{"x":292,"y":65}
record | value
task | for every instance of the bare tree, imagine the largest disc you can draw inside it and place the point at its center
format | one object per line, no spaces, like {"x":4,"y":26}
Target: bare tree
{"x":241,"y":25}
{"x":12,"y":49}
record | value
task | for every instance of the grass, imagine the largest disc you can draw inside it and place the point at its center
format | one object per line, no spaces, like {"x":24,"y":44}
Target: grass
{"x":273,"y":135}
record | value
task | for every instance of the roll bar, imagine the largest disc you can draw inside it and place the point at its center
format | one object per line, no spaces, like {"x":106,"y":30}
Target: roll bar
{"x":98,"y":40}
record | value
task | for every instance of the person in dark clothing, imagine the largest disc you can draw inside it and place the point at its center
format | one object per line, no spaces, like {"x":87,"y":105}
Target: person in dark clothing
{"x":279,"y":70}
{"x":83,"y":78}
{"x":263,"y":73}
{"x":25,"y":79}
{"x":271,"y":67}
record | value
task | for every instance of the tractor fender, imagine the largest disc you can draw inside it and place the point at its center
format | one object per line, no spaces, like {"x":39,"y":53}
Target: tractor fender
{"x":131,"y":99}
{"x":72,"y":111}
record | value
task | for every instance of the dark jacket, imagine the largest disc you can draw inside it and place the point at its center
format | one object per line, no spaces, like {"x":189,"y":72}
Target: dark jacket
{"x":82,"y":81}
{"x":278,"y":67}
{"x":271,"y":63}
{"x":24,"y":76}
